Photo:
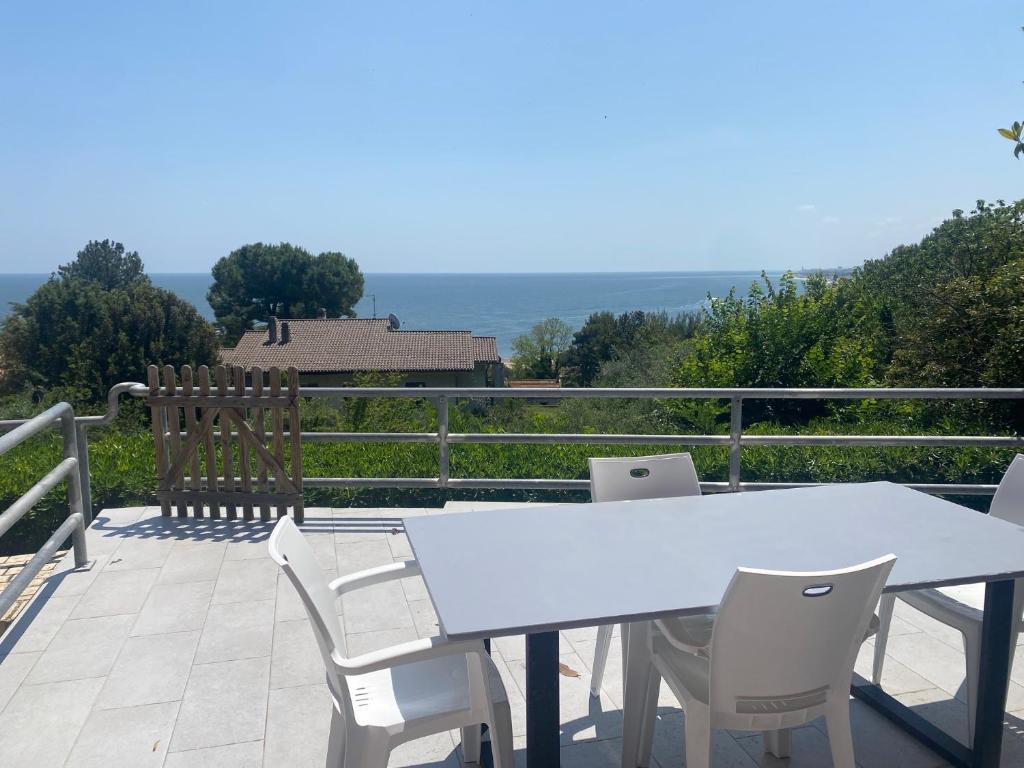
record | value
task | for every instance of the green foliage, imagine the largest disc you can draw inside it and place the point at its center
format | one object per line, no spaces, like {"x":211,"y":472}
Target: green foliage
{"x":259,"y":280}
{"x":107,"y":264}
{"x":98,"y":322}
{"x":605,"y":338}
{"x":535,"y":354}
{"x":1013,"y":133}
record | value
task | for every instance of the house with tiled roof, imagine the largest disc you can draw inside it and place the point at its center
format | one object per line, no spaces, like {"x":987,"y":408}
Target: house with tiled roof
{"x":332,"y":351}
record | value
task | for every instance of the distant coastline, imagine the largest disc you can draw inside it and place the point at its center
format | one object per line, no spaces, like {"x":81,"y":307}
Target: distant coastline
{"x":500,"y":305}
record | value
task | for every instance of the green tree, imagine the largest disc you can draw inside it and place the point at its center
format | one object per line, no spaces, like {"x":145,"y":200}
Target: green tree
{"x":605,"y":337}
{"x":78,"y":333}
{"x":259,"y":280}
{"x":535,"y":354}
{"x":107,"y":264}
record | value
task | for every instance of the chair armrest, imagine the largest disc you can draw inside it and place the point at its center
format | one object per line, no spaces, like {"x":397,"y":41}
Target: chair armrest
{"x":691,"y":634}
{"x":372,"y":576}
{"x":407,"y":653}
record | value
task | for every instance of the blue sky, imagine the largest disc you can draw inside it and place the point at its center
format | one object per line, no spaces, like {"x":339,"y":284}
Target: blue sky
{"x":502,"y":137}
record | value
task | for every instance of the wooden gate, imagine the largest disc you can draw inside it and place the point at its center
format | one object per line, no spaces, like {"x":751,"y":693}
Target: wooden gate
{"x":215,"y":429}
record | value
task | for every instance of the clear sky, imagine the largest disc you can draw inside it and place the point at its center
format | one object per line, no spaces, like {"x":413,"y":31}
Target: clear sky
{"x":502,"y":137}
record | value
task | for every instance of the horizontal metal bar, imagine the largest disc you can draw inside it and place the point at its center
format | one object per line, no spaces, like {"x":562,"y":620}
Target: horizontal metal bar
{"x":34,"y":426}
{"x":878,"y":441}
{"x":502,"y":438}
{"x":936,"y":489}
{"x":113,"y":407}
{"x":586,"y":438}
{"x":347,"y":437}
{"x":32,"y":568}
{"x":371,"y":482}
{"x":698,"y":393}
{"x":27,"y":500}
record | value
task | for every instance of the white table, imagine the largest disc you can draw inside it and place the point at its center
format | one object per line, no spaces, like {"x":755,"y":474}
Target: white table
{"x":573,"y":565}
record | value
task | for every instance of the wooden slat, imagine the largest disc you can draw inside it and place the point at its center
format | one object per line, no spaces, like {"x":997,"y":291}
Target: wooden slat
{"x":295,"y":429}
{"x":277,"y":424}
{"x":226,"y":451}
{"x":174,"y":428}
{"x":274,"y":466}
{"x":261,"y":467}
{"x":159,"y":445}
{"x":224,"y":497}
{"x":210,"y":446}
{"x":243,"y":449}
{"x":195,"y":480}
{"x":235,"y":401}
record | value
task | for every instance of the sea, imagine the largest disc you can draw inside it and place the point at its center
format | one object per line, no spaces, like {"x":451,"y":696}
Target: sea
{"x":501,"y":305}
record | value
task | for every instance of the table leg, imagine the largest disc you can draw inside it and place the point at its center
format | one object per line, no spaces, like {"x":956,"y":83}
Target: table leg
{"x":486,"y":756}
{"x":994,"y":674}
{"x":993,"y":681}
{"x":542,"y":715}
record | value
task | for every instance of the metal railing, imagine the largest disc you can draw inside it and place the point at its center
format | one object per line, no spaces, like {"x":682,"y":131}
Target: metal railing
{"x":67,"y":469}
{"x":735,"y":441}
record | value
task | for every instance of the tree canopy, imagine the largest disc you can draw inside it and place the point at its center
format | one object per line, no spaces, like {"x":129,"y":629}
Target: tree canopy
{"x":97,"y":322}
{"x":258,"y":280}
{"x":948,"y":311}
{"x":536,"y":353}
{"x":107,"y":264}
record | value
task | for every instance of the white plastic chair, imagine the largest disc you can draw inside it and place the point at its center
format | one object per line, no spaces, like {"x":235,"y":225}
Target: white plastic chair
{"x":387,"y":697}
{"x":962,"y":607}
{"x":627,"y":479}
{"x":781,"y":654}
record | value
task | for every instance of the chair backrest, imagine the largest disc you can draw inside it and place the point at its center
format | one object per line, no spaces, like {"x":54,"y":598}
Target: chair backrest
{"x":784,"y":642}
{"x":1008,"y":503}
{"x":290,"y":550}
{"x":643,"y":477}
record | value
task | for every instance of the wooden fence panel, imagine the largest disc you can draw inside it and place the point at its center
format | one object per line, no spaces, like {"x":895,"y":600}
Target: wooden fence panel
{"x":223,"y":406}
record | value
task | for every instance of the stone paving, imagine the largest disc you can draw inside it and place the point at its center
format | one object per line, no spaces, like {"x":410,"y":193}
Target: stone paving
{"x":10,"y":567}
{"x":182,"y":646}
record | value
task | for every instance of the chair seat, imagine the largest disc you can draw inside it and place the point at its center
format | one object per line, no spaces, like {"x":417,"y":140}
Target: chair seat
{"x":959,"y":607}
{"x":410,"y":693}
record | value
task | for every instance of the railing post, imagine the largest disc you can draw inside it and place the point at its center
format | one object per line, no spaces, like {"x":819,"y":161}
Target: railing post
{"x":442,"y":434}
{"x":82,"y":439}
{"x":75,"y":499}
{"x":735,"y":432}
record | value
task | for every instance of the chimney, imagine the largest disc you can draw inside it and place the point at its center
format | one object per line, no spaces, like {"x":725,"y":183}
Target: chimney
{"x":321,"y":314}
{"x":272,"y":330}
{"x":286,"y":332}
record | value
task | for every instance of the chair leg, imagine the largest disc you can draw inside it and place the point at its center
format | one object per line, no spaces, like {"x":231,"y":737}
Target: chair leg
{"x":778,"y":743}
{"x":336,"y":741}
{"x":885,"y":609}
{"x":636,"y":675}
{"x":471,"y":743}
{"x":604,"y":642}
{"x":972,"y":652}
{"x":697,"y":724}
{"x":500,"y":729}
{"x":840,"y":737}
{"x":650,"y":720}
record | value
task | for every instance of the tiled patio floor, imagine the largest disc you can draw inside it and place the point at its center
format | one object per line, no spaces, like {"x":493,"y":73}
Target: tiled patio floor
{"x":183,"y":646}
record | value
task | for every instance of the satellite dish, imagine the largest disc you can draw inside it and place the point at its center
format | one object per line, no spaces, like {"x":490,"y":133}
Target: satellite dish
{"x":393,"y":323}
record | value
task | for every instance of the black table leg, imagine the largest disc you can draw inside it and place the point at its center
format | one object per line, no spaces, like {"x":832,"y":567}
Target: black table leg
{"x":542,"y":715}
{"x":994,"y":674}
{"x":993,"y":680}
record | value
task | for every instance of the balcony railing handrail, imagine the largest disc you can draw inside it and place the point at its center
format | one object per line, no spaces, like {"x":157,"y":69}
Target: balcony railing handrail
{"x":67,"y":469}
{"x":735,"y":441}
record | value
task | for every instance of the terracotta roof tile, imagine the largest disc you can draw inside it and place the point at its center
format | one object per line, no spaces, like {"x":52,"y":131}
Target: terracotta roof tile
{"x":353,"y":345}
